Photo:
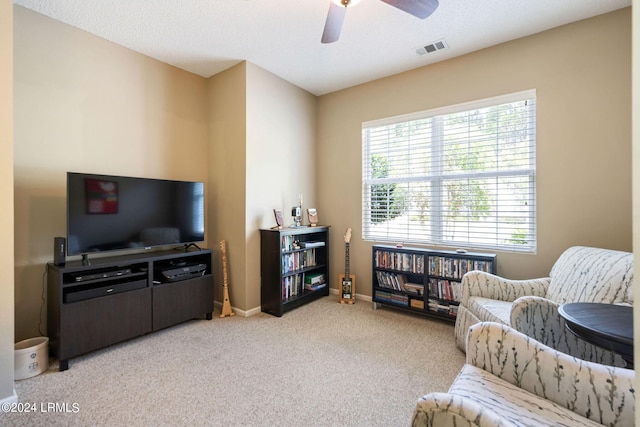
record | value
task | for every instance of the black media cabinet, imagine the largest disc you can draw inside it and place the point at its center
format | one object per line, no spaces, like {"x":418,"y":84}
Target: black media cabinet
{"x":118,"y":298}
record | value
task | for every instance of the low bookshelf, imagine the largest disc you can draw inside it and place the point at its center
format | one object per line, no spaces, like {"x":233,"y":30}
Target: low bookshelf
{"x":423,"y":281}
{"x":294,"y":267}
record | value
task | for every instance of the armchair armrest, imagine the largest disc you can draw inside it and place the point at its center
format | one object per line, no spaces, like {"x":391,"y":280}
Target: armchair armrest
{"x":487,"y":285}
{"x":450,"y":410}
{"x":539,"y":319}
{"x":601,"y":393}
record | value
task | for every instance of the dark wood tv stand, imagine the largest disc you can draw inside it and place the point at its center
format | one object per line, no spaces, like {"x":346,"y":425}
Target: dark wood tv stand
{"x":118,"y":298}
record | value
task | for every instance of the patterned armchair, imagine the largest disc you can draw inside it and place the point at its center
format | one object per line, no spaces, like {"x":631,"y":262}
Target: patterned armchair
{"x":510,"y":379}
{"x":581,"y":274}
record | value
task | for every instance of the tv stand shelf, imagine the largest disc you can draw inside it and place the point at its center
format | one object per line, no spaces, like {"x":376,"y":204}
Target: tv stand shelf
{"x":118,"y":298}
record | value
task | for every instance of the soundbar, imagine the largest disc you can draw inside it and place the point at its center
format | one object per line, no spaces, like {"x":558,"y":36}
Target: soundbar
{"x":104,"y":274}
{"x":174,"y":274}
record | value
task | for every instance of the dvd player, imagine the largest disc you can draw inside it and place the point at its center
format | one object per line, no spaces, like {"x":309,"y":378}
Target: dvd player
{"x":174,"y":274}
{"x":104,"y":274}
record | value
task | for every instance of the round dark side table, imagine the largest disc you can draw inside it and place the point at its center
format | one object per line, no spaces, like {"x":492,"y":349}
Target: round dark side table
{"x":606,"y":325}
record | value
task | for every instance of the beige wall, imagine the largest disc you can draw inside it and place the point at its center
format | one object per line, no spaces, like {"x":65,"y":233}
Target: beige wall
{"x":227,"y":179}
{"x":88,"y":105}
{"x":582,"y":74}
{"x":6,"y":194}
{"x":280,"y":160}
{"x":262,"y":137}
{"x":85,"y":104}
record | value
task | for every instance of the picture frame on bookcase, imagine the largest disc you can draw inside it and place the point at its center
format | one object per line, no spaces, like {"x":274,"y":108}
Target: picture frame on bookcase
{"x":277,"y":213}
{"x":312,"y":214}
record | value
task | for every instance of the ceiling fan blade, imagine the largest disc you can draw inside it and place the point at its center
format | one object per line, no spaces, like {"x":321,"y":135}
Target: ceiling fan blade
{"x":333,"y":25}
{"x":418,"y":8}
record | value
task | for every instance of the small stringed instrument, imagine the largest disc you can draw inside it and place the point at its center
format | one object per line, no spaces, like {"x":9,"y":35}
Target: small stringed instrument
{"x":226,"y":305}
{"x":347,"y":282}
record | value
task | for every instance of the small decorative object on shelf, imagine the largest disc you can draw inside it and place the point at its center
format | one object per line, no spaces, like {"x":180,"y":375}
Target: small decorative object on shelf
{"x":424,"y":281}
{"x":296,"y":213}
{"x":313,"y":216}
{"x":279,"y":219}
{"x":226,"y":305}
{"x":294,"y":267}
{"x":347,"y":281}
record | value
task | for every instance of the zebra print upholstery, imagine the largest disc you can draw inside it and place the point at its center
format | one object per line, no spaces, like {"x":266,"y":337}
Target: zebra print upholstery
{"x":581,"y":274}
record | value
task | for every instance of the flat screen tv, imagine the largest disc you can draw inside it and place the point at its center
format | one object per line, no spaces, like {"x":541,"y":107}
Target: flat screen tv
{"x":108,"y":213}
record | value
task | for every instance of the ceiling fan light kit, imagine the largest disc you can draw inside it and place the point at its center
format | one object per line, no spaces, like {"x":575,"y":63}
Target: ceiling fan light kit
{"x":338,"y":9}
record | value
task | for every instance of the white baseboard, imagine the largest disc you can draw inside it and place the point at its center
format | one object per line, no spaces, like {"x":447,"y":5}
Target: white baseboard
{"x":257,"y":310}
{"x":237,"y":311}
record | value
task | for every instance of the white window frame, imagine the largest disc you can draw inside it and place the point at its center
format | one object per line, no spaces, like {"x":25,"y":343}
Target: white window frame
{"x":436,"y":176}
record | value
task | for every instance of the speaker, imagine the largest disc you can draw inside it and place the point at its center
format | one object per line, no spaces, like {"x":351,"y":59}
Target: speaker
{"x":59,"y":250}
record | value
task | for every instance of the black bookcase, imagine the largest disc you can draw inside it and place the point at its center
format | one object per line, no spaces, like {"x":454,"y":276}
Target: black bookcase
{"x":290,"y":257}
{"x":423,"y":281}
{"x":118,"y":298}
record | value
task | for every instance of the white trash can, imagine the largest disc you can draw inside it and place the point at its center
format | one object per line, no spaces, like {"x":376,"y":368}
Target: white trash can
{"x":31,"y":357}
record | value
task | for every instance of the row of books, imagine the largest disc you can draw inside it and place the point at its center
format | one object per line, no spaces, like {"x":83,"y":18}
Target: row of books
{"x":298,"y":260}
{"x":445,"y":289}
{"x":398,"y":282}
{"x":401,"y":261}
{"x":288,"y":243}
{"x":439,"y":307}
{"x":298,"y":283}
{"x":442,"y":289}
{"x":456,"y":267}
{"x":393,"y":298}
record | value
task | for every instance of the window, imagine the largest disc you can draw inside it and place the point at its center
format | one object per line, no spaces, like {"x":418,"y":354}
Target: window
{"x":461,"y":176}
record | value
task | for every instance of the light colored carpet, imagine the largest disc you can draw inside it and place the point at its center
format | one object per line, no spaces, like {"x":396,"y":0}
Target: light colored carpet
{"x":322,"y":364}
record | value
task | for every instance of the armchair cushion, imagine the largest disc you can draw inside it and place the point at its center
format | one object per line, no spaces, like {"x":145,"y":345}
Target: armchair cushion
{"x":490,"y":310}
{"x":511,"y":379}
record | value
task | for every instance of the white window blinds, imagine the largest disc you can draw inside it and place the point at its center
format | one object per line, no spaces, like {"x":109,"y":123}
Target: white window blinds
{"x":461,"y":176}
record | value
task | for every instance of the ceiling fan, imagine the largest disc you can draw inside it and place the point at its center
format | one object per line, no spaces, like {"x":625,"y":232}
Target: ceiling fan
{"x":338,"y":9}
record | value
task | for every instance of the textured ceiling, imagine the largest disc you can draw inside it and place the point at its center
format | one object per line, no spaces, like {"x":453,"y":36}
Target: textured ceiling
{"x":283,"y":36}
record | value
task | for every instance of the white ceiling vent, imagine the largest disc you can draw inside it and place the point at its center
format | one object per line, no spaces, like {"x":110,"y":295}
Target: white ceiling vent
{"x":431,"y":47}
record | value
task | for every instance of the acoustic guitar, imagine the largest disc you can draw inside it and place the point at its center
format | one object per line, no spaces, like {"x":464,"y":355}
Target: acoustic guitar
{"x":347,"y":282}
{"x":226,"y":305}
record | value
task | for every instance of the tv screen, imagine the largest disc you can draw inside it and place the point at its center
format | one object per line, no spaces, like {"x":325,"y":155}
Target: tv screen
{"x":106,"y":213}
